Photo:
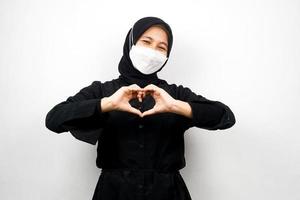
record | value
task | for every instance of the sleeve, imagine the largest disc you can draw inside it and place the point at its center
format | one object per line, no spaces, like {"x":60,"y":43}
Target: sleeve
{"x":206,"y":114}
{"x":80,"y":114}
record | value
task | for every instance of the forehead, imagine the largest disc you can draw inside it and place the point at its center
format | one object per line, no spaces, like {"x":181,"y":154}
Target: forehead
{"x":156,"y":33}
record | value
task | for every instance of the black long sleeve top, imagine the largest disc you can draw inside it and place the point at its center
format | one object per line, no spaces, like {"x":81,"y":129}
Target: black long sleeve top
{"x":154,"y":143}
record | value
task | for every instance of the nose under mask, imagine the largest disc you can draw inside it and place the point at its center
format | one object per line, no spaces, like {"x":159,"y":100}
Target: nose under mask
{"x":145,"y":59}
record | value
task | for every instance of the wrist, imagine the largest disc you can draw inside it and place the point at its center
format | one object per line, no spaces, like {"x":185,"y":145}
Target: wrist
{"x":174,"y":106}
{"x":181,"y":108}
{"x":106,"y":104}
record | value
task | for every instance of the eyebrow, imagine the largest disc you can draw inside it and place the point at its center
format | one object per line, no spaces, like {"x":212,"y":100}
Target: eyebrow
{"x":152,"y":39}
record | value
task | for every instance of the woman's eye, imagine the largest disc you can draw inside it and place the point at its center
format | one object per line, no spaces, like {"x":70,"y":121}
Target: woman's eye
{"x":146,"y":41}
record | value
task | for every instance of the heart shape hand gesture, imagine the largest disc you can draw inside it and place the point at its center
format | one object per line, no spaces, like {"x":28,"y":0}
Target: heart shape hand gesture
{"x":120,"y":99}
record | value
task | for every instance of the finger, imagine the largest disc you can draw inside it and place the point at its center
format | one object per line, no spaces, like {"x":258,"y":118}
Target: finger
{"x":147,"y":91}
{"x":151,"y":87}
{"x":135,"y":90}
{"x":127,"y":90}
{"x":134,"y":93}
{"x":136,"y":111}
{"x":134,"y":86}
{"x":131,"y":109}
{"x":140,"y":95}
{"x":131,"y":92}
{"x":143,"y":94}
{"x":149,"y":112}
{"x":131,"y":87}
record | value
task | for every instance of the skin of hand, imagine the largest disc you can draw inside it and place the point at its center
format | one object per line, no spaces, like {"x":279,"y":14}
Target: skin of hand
{"x":163,"y":101}
{"x":120,"y":99}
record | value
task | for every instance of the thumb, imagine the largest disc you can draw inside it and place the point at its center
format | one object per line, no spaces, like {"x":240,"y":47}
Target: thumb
{"x":135,"y":111}
{"x":149,"y":112}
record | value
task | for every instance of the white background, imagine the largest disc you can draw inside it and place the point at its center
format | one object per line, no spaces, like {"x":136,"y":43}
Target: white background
{"x":245,"y":54}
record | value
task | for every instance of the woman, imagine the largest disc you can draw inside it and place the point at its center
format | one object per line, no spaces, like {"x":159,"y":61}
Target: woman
{"x":139,"y":120}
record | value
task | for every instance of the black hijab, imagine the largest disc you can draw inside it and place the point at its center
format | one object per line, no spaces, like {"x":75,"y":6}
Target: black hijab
{"x":127,"y":71}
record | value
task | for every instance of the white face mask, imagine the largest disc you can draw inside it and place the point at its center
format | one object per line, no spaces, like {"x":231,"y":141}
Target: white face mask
{"x":146,"y":60}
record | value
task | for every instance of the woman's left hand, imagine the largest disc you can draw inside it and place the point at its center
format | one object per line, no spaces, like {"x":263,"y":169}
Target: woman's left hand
{"x":163,"y":101}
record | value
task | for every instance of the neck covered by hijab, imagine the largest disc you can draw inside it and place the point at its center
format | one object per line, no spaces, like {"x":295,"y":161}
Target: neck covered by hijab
{"x":127,"y":71}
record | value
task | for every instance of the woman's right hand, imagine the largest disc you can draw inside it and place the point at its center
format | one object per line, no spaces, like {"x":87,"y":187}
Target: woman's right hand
{"x":120,"y":99}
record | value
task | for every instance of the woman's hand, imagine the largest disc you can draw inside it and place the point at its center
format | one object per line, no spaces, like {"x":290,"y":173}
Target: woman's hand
{"x":120,"y":99}
{"x":163,"y":101}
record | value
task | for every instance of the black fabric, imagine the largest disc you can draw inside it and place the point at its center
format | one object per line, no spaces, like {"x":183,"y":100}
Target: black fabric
{"x":140,"y":158}
{"x":126,"y":69}
{"x":128,"y":144}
